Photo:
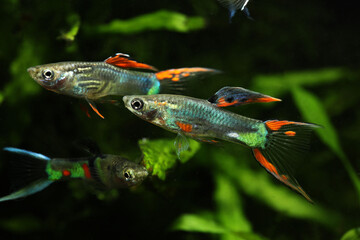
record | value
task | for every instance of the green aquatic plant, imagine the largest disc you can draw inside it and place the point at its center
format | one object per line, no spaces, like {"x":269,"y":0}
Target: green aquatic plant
{"x":227,"y":220}
{"x":160,"y":20}
{"x":74,"y":22}
{"x":313,"y":111}
{"x":353,"y":234}
{"x":160,"y":155}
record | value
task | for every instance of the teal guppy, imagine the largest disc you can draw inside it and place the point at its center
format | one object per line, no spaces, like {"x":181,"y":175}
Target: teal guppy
{"x":273,"y":142}
{"x":116,"y":76}
{"x":103,"y":170}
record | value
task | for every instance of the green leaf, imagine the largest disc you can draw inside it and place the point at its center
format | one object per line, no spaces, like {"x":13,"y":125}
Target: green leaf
{"x":276,"y":85}
{"x":160,"y":155}
{"x":313,"y":111}
{"x":74,"y":22}
{"x":202,"y":222}
{"x":260,"y":185}
{"x":229,"y":207}
{"x":160,"y":20}
{"x":353,"y":234}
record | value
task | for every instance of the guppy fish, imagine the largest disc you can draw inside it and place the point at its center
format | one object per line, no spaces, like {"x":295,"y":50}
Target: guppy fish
{"x":109,"y":171}
{"x":94,"y":80}
{"x":274,"y":143}
{"x":236,"y":96}
{"x":234,"y":6}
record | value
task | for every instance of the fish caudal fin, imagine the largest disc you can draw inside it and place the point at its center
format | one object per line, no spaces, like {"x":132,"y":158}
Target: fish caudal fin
{"x":173,"y":79}
{"x":286,"y":141}
{"x":29,"y":170}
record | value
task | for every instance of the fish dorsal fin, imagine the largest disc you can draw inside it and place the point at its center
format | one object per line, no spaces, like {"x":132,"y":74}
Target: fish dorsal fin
{"x":237,"y":96}
{"x":123,"y":60}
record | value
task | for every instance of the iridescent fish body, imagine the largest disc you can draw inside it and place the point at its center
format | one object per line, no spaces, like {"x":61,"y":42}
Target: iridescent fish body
{"x":234,"y":6}
{"x":237,"y":96}
{"x":117,"y":76}
{"x":274,"y":143}
{"x":107,"y":171}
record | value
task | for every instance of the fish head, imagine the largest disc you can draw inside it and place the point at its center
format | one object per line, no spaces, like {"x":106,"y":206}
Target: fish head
{"x":128,"y":173}
{"x":51,"y":76}
{"x":148,"y":107}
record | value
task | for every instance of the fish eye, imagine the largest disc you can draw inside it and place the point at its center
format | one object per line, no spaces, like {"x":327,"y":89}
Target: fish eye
{"x":137,"y":104}
{"x":48,"y":74}
{"x":128,"y":174}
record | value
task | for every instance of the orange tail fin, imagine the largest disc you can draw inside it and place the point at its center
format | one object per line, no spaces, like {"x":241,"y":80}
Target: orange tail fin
{"x":286,"y":141}
{"x":178,"y":74}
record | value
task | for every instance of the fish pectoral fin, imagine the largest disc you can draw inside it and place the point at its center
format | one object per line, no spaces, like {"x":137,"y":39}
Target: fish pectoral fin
{"x":123,"y":60}
{"x":181,"y":144}
{"x":93,"y":106}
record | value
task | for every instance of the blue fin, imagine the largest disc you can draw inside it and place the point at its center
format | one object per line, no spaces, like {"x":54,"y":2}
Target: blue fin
{"x":26,"y":153}
{"x":30,"y":172}
{"x":34,"y":187}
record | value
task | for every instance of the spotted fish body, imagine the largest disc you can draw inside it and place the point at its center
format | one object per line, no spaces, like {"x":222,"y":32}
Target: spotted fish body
{"x":273,"y":142}
{"x":116,"y":76}
{"x":108,"y":171}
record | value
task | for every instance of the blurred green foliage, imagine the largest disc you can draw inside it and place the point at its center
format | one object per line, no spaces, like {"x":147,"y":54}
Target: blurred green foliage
{"x":305,"y":53}
{"x":353,"y":234}
{"x":160,"y":155}
{"x":163,"y":19}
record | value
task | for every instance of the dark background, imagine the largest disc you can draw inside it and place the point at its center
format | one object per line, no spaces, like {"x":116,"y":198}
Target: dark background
{"x":286,"y":36}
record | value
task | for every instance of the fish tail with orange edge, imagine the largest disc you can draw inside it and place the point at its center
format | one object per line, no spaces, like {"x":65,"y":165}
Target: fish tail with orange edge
{"x":173,"y":79}
{"x":286,"y":142}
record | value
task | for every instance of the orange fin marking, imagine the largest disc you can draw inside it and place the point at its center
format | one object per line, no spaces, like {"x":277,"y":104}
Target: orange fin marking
{"x":276,"y":124}
{"x":223,"y":103}
{"x":97,"y":111}
{"x":176,"y":74}
{"x":283,"y":178}
{"x":262,"y":160}
{"x":267,"y":99}
{"x":290,"y":133}
{"x":123,"y":61}
{"x":184,"y":126}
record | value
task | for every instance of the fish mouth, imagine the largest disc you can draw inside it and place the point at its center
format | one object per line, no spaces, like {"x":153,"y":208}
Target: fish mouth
{"x":32,"y":71}
{"x":143,"y":174}
{"x":126,"y":100}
